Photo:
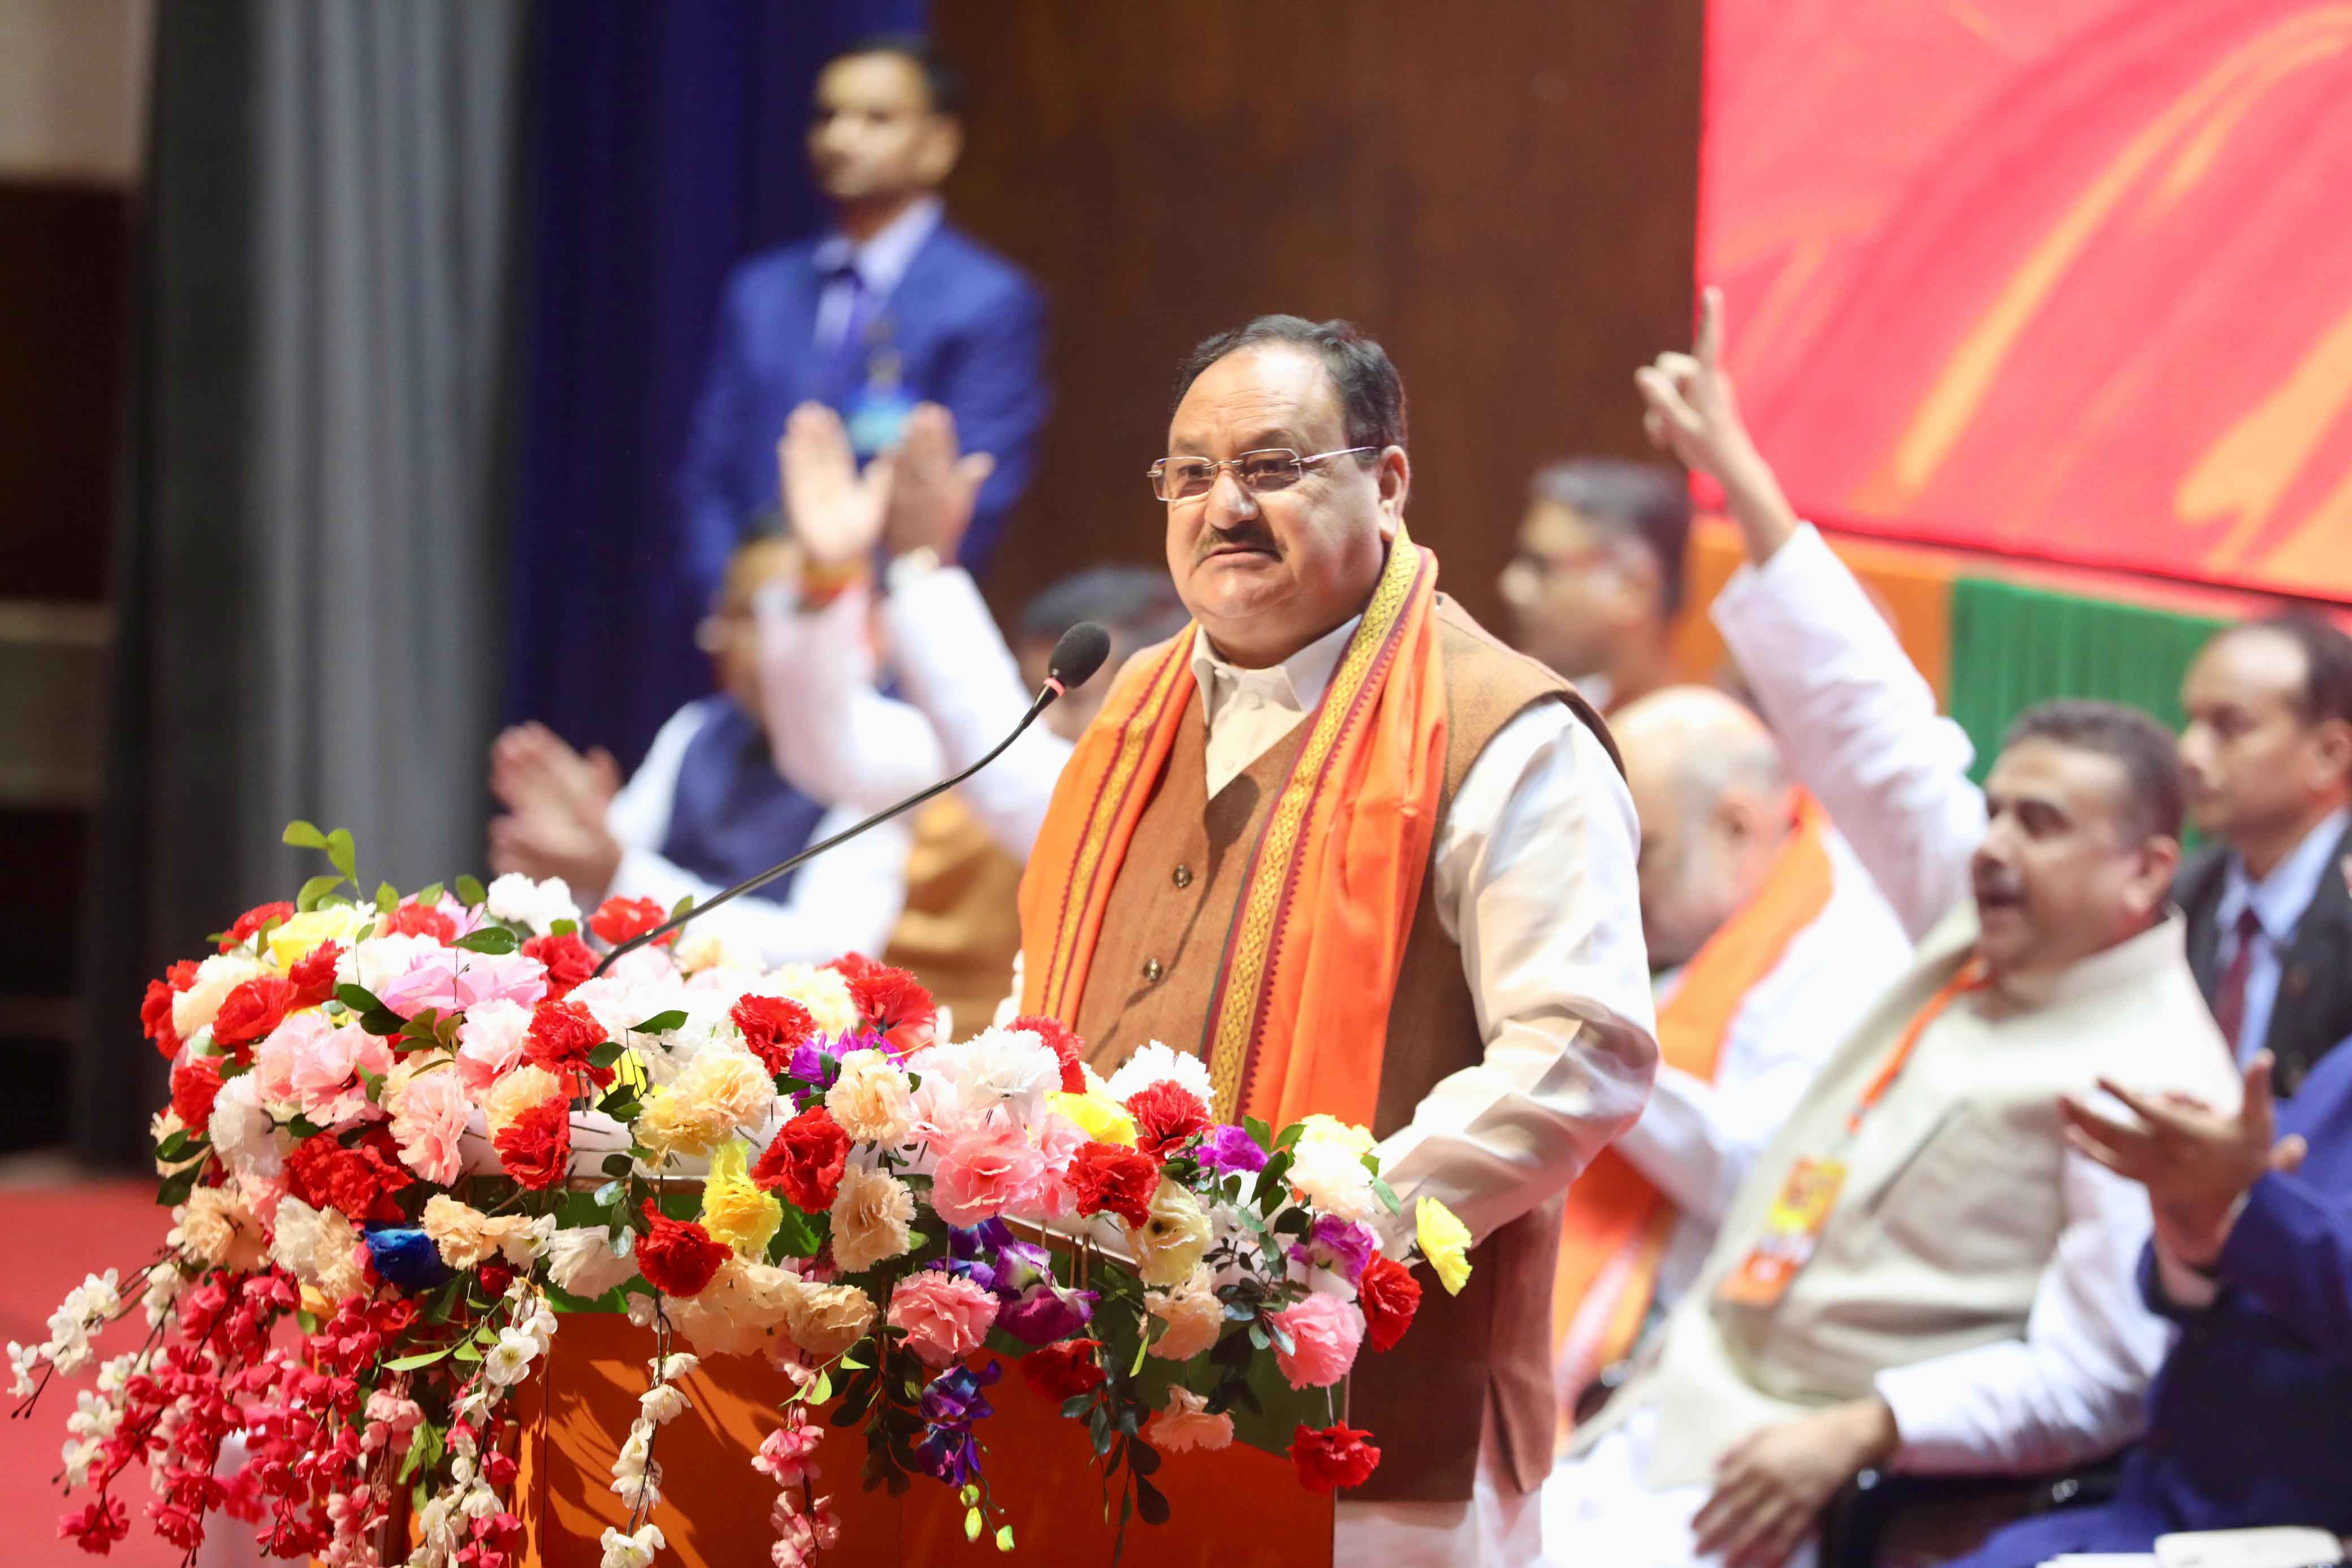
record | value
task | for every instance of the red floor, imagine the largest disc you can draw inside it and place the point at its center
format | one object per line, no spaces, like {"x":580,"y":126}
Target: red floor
{"x":64,"y":1232}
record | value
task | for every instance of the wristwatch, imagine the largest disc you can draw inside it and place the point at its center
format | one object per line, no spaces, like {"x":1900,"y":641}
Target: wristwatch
{"x":920,"y":561}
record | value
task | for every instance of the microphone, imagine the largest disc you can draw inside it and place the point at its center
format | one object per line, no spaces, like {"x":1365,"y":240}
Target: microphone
{"x":1078,"y":654}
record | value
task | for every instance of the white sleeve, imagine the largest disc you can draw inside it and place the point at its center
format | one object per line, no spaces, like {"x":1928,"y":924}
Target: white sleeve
{"x":638,"y":816}
{"x":1859,"y":724}
{"x":836,"y":737}
{"x":1534,"y":869}
{"x":954,"y":666}
{"x":2073,"y":1388}
{"x":845,"y":901}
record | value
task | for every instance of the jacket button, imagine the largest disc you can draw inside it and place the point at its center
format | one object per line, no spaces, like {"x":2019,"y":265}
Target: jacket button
{"x":1152,"y":970}
{"x":1184,"y":876}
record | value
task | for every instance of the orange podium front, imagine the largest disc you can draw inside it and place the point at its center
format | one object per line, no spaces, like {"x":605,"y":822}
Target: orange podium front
{"x":1238,"y":1507}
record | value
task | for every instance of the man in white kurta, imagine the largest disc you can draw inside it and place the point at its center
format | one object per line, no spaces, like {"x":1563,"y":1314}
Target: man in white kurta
{"x":1918,"y":1272}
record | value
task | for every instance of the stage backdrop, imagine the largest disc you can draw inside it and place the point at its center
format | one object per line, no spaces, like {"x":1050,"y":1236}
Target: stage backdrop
{"x":2056,"y":277}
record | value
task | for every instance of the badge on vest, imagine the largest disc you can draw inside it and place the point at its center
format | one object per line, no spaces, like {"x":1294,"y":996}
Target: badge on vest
{"x":1792,"y":1232}
{"x":875,"y":414}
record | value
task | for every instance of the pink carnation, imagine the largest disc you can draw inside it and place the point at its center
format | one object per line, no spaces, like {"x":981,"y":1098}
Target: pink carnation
{"x":325,"y":1075}
{"x":1323,"y":1333}
{"x":449,"y":979}
{"x":273,"y":1059}
{"x":432,"y":1116}
{"x":1058,"y":1143}
{"x":986,"y":1165}
{"x":944,"y":1317}
{"x":490,"y":1042}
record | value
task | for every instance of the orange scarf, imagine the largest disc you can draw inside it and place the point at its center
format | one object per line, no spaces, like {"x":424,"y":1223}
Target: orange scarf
{"x":1298,"y":1020}
{"x":1618,"y":1224}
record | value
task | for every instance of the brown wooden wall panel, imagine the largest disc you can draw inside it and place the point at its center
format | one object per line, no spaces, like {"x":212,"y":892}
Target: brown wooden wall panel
{"x":1502,"y":193}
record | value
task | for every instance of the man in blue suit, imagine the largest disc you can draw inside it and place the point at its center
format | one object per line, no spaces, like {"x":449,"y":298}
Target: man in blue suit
{"x":891,"y":307}
{"x":2250,"y":1419}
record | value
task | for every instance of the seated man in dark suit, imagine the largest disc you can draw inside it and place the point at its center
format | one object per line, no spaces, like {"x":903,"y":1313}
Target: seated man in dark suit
{"x":891,"y":307}
{"x":2250,"y":1421}
{"x":2268,"y":753}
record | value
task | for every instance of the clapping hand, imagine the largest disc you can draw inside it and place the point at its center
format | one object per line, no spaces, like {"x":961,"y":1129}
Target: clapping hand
{"x":532,"y":770}
{"x":835,"y":511}
{"x":2196,"y":1163}
{"x":936,"y":485}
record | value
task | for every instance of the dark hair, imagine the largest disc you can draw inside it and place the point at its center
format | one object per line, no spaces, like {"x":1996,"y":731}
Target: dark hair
{"x":2326,"y":691}
{"x":1644,"y":501}
{"x":2149,"y":756}
{"x":1137,"y":604}
{"x":1372,"y":394}
{"x":941,"y":81}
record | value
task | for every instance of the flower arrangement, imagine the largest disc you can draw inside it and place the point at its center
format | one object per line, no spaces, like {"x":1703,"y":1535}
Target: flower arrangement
{"x":425,"y":1127}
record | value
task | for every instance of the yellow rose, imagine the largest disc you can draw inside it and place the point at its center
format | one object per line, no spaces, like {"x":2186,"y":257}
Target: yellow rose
{"x":735,"y":1211}
{"x":1103,"y":1119}
{"x":1171,"y":1243}
{"x":1444,"y":1241}
{"x":294,"y":941}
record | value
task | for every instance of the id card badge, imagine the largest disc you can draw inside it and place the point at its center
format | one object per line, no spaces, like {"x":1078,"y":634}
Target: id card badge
{"x":1792,"y":1231}
{"x":875,"y":414}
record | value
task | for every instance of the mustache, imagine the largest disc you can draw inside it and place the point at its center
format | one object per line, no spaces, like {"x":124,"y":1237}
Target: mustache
{"x":1250,"y":535}
{"x":1998,"y":883}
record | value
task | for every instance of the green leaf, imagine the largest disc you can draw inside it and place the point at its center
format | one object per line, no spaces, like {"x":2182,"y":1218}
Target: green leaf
{"x":303,"y":836}
{"x":383,"y":1020}
{"x":359,"y":999}
{"x":175,"y":1188}
{"x":1386,"y":1194}
{"x":1150,"y":1505}
{"x":430,"y":893}
{"x":606,"y":1053}
{"x":317,"y":888}
{"x":821,"y":1389}
{"x":387,"y":898}
{"x":471,"y":892}
{"x":426,"y":1358}
{"x":798,"y":1235}
{"x":469,"y":1351}
{"x":615,"y":1165}
{"x":343,"y":855}
{"x":660,"y":1023}
{"x":681,"y":906}
{"x":565,"y":928}
{"x":303,"y":1127}
{"x":622,"y":1105}
{"x":490,"y":939}
{"x":1290,"y":1136}
{"x":608,"y":1195}
{"x":173,"y":1148}
{"x":373,"y":1083}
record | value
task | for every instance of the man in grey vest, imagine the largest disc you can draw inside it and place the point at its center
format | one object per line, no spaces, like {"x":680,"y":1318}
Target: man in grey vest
{"x":1919,"y":1273}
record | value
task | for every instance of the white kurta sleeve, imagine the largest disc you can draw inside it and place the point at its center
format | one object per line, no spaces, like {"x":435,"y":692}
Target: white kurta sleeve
{"x":1859,"y":724}
{"x":954,"y":666}
{"x":836,"y":737}
{"x":1534,"y":879}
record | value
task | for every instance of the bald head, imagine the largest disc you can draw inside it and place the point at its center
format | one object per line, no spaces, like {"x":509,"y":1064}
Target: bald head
{"x":1715,"y":804}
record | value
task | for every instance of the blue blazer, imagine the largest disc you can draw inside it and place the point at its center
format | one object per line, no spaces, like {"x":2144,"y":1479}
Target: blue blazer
{"x":970,"y":328}
{"x":2250,"y":1420}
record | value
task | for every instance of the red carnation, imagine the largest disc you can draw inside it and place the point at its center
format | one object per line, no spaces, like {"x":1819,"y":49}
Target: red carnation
{"x":536,"y":1146}
{"x":418,"y":920}
{"x":619,"y":919}
{"x":1059,"y":1372}
{"x":254,"y":919}
{"x":1335,"y":1456}
{"x":677,"y":1257}
{"x":194,"y":1085}
{"x":805,"y":1160}
{"x":1106,"y":1178}
{"x":251,"y":1011}
{"x":359,"y":1181}
{"x":1167,"y":1116}
{"x":562,"y":1035}
{"x":893,"y":1003}
{"x":313,"y":977}
{"x":772,"y":1027}
{"x":1063,"y":1043}
{"x":1389,"y":1296}
{"x":568,"y":960}
{"x":155,"y":1015}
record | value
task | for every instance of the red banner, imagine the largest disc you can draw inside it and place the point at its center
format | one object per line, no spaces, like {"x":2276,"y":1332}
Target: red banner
{"x":2069,"y":278}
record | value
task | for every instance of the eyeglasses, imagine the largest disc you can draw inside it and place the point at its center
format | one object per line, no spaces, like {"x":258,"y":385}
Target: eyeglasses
{"x":1261,"y":472}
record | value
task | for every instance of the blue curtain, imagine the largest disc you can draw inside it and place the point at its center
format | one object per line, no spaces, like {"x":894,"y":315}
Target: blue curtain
{"x":665,"y":145}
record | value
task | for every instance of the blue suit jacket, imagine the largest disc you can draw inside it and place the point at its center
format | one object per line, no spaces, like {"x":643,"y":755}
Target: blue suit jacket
{"x":2250,"y":1421}
{"x":970,"y":328}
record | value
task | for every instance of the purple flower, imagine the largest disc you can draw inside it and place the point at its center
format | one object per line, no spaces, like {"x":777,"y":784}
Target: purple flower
{"x":1045,"y":1312}
{"x":1340,"y":1245}
{"x":947,"y":1450}
{"x":1229,"y":1150}
{"x":810,"y":1064}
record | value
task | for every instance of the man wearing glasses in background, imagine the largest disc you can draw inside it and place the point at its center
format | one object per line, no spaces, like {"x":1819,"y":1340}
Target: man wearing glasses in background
{"x":1598,"y":578}
{"x":1435,"y":848}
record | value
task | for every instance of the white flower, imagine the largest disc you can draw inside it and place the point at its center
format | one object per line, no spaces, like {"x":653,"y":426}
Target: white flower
{"x":216,"y":977}
{"x":823,"y":992}
{"x":23,"y":1360}
{"x":631,"y":1551}
{"x":491,"y":1038}
{"x":1156,"y":1064}
{"x":509,"y":1360}
{"x":681,"y":1363}
{"x":1335,"y":1181}
{"x":380,"y":961}
{"x":540,"y":1326}
{"x":662,"y":1402}
{"x":538,"y":905}
{"x":637,"y":1450}
{"x":581,"y":1262}
{"x":241,"y":1131}
{"x":1011,"y":1067}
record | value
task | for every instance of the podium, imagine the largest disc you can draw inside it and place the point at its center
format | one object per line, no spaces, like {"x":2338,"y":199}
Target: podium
{"x":1238,"y":1507}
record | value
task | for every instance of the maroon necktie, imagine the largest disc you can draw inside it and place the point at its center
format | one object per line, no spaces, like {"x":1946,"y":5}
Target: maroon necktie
{"x":2229,"y":1001}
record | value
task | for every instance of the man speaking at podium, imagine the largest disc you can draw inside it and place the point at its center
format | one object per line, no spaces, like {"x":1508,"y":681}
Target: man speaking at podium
{"x":1368,"y":862}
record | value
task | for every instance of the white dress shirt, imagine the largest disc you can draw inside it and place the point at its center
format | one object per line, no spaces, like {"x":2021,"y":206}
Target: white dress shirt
{"x":843,"y":901}
{"x":2278,"y":902}
{"x":1699,"y":1138}
{"x":879,"y":264}
{"x":1861,"y":727}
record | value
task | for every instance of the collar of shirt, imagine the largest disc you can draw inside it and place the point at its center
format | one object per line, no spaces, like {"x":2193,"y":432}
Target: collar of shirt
{"x":1293,"y":686}
{"x":883,"y":260}
{"x":2134,"y":961}
{"x":2279,"y":900}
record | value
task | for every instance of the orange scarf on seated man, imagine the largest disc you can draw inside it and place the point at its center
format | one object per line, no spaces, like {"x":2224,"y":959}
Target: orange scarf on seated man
{"x":1298,"y":1021}
{"x":1617,"y":1226}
